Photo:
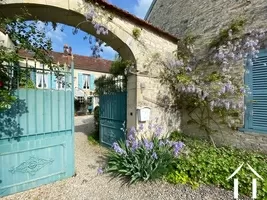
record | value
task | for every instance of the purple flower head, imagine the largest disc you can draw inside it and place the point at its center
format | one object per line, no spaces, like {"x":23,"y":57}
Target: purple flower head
{"x":154,"y":155}
{"x":150,"y":125}
{"x":127,"y":142}
{"x":131,"y":134}
{"x":100,"y":171}
{"x":177,"y":147}
{"x":158,"y":131}
{"x":90,"y":14}
{"x":135,"y":145}
{"x":141,"y":127}
{"x":169,"y":143}
{"x":148,"y":145}
{"x":227,"y":105}
{"x":161,"y":143}
{"x":117,"y":148}
{"x":243,"y":90}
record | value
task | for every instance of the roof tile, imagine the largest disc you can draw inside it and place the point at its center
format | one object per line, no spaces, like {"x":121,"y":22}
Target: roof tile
{"x":80,"y":62}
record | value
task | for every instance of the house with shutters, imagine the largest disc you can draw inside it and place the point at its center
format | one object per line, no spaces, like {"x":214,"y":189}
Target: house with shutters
{"x":86,"y":70}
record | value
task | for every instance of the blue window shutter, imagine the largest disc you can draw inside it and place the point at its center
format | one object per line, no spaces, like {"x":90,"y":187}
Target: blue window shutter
{"x":49,"y":81}
{"x":80,"y":81}
{"x":92,"y":81}
{"x":248,"y":97}
{"x":54,"y":81}
{"x":257,"y":81}
{"x":33,"y":77}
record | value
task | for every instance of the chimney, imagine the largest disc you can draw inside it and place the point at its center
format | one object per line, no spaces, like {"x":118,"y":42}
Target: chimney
{"x":67,"y":52}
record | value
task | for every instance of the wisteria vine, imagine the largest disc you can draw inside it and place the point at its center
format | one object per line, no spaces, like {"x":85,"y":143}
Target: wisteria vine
{"x":91,"y":16}
{"x":212,"y":85}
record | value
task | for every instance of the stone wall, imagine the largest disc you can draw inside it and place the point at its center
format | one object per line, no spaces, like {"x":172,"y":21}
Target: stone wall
{"x":205,"y":18}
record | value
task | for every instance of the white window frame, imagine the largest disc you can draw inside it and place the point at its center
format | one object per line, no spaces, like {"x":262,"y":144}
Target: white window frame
{"x":41,"y":78}
{"x":60,"y":84}
{"x":86,"y":81}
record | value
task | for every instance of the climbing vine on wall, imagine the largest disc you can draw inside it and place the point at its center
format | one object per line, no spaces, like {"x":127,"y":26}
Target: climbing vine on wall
{"x":211,"y":87}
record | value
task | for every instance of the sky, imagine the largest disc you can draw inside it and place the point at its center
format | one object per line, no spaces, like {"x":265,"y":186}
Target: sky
{"x":81,"y":46}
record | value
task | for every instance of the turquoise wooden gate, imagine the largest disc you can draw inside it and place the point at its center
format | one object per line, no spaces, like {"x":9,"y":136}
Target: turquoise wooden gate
{"x":256,"y":100}
{"x":113,"y":110}
{"x":36,"y":133}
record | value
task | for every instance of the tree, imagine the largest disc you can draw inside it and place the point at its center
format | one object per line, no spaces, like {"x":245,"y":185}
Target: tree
{"x":26,"y":36}
{"x":117,"y":82}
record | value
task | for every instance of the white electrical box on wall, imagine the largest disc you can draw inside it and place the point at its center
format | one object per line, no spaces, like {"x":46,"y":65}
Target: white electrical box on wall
{"x":143,"y":114}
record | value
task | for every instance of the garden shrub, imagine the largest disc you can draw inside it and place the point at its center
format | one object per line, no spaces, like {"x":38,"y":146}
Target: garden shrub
{"x":96,"y":118}
{"x":206,"y":164}
{"x":143,"y":159}
{"x":77,"y":105}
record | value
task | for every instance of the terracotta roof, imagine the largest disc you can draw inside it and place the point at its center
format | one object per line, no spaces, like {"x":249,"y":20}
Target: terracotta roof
{"x":136,"y":20}
{"x":80,"y":62}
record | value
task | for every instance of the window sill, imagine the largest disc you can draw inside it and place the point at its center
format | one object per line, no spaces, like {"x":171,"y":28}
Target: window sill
{"x":252,"y":131}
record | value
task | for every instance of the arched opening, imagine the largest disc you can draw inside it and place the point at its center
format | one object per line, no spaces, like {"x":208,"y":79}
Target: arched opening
{"x":54,"y":153}
{"x":72,"y":18}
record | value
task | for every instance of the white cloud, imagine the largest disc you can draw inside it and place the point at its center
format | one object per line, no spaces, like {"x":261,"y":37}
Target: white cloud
{"x":108,"y":53}
{"x":57,"y":36}
{"x":142,"y":7}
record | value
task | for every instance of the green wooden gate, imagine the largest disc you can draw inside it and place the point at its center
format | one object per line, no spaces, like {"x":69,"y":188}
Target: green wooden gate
{"x":36,"y":133}
{"x":113,"y":111}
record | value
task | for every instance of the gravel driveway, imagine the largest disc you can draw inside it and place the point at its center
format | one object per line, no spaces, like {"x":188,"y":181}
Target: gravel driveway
{"x":87,"y":185}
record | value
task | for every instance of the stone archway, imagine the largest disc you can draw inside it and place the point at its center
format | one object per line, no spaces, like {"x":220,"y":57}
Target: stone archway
{"x":120,"y":24}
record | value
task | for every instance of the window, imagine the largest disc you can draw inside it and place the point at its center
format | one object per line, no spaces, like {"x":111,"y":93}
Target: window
{"x":256,"y":103}
{"x":86,"y":81}
{"x":81,"y":99}
{"x":41,"y":80}
{"x":61,"y":82}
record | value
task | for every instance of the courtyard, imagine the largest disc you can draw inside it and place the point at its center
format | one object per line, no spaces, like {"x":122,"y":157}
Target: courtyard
{"x":88,"y":185}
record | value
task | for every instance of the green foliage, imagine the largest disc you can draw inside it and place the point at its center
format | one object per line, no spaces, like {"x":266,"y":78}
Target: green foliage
{"x":77,"y":105}
{"x":205,"y":164}
{"x":119,"y":66}
{"x":117,"y":82}
{"x":97,"y":119}
{"x":236,"y":27}
{"x":26,"y":36}
{"x":93,"y":137}
{"x":142,"y":158}
{"x":139,"y":165}
{"x":200,"y":87}
{"x":136,"y":33}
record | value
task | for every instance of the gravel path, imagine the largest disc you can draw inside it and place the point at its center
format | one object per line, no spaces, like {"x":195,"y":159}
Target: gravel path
{"x":87,"y":185}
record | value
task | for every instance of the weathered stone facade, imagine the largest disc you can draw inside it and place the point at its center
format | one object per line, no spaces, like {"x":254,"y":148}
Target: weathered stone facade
{"x":205,"y":18}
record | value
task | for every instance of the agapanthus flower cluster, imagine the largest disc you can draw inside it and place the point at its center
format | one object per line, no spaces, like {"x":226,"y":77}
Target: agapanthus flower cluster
{"x":135,"y":141}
